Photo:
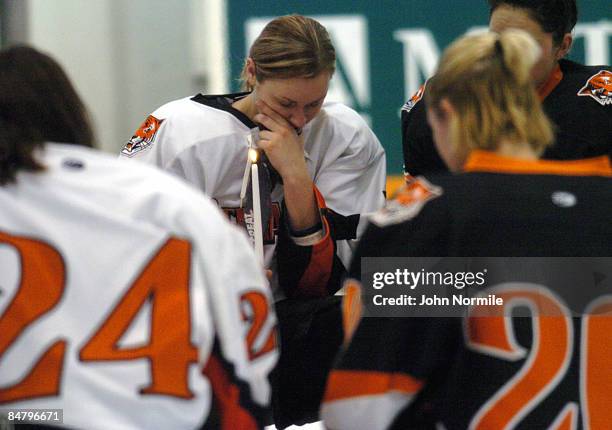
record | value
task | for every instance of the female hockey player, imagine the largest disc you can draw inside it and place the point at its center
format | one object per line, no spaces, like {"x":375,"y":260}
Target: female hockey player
{"x":326,"y":169}
{"x":484,"y":368}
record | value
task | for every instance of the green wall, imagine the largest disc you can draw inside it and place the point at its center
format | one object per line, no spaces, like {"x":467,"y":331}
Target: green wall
{"x":400,"y":41}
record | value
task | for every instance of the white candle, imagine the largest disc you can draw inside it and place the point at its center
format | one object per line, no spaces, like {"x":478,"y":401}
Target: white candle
{"x":257,"y":213}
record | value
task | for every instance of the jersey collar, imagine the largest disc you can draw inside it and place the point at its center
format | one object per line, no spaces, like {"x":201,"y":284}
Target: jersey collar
{"x":551,"y":83}
{"x":224,"y":102}
{"x":485,"y":161}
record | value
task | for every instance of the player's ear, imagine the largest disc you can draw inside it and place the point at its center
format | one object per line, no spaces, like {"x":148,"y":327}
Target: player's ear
{"x":565,"y":45}
{"x":446,"y":109}
{"x":440,"y":114}
{"x":251,"y":72}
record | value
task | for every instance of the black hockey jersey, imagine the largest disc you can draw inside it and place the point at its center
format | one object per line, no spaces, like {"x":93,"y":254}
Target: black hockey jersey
{"x":577,"y":99}
{"x":494,"y":372}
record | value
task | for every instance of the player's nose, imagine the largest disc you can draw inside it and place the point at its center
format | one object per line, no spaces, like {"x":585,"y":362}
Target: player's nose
{"x":298,"y":118}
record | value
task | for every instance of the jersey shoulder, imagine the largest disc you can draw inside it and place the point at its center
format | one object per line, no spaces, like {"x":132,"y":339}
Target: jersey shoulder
{"x":202,"y":121}
{"x":339,"y":130}
{"x":592,"y":82}
{"x":413,"y":115}
{"x":419,"y":151}
{"x":135,"y":190}
{"x":407,"y":203}
{"x":573,"y":69}
{"x":414,"y":100}
{"x":185,"y":123}
{"x":340,"y":115}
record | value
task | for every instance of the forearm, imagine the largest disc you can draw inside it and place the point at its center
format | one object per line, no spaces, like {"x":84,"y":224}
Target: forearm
{"x":309,"y":271}
{"x":312,"y":270}
{"x":302,"y":207}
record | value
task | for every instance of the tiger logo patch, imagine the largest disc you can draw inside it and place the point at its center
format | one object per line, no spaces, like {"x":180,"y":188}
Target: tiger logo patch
{"x":414,"y":99}
{"x":407,"y":203}
{"x":599,"y":87}
{"x":143,"y":137}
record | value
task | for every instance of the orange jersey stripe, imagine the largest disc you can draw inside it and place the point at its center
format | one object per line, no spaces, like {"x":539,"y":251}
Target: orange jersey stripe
{"x":485,"y":161}
{"x":344,"y":384}
{"x":315,"y":278}
{"x":227,"y":398}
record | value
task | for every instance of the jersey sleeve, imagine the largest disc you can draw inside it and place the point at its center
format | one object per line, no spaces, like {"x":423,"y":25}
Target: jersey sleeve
{"x":353,"y":186}
{"x":420,"y":154}
{"x":239,"y":300}
{"x":387,"y":365}
{"x":144,"y":145}
{"x":246,"y":349}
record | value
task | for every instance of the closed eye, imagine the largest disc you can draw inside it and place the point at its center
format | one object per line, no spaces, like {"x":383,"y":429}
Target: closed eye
{"x":286,"y":104}
{"x":313,"y":104}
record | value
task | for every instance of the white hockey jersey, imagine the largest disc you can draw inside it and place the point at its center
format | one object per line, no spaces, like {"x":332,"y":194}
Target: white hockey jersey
{"x":128,"y":300}
{"x":204,"y":140}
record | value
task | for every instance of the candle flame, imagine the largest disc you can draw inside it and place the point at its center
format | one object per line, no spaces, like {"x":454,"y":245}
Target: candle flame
{"x":253,"y":155}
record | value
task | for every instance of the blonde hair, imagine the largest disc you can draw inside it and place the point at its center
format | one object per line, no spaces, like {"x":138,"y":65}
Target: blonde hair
{"x":291,"y":46}
{"x":487,"y":79}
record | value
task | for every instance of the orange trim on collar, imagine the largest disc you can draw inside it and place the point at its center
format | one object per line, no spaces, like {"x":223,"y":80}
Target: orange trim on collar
{"x":485,"y":161}
{"x":553,"y":80}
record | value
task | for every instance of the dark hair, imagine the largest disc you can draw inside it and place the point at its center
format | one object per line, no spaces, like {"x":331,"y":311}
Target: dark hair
{"x":554,"y":16}
{"x":38,"y":104}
